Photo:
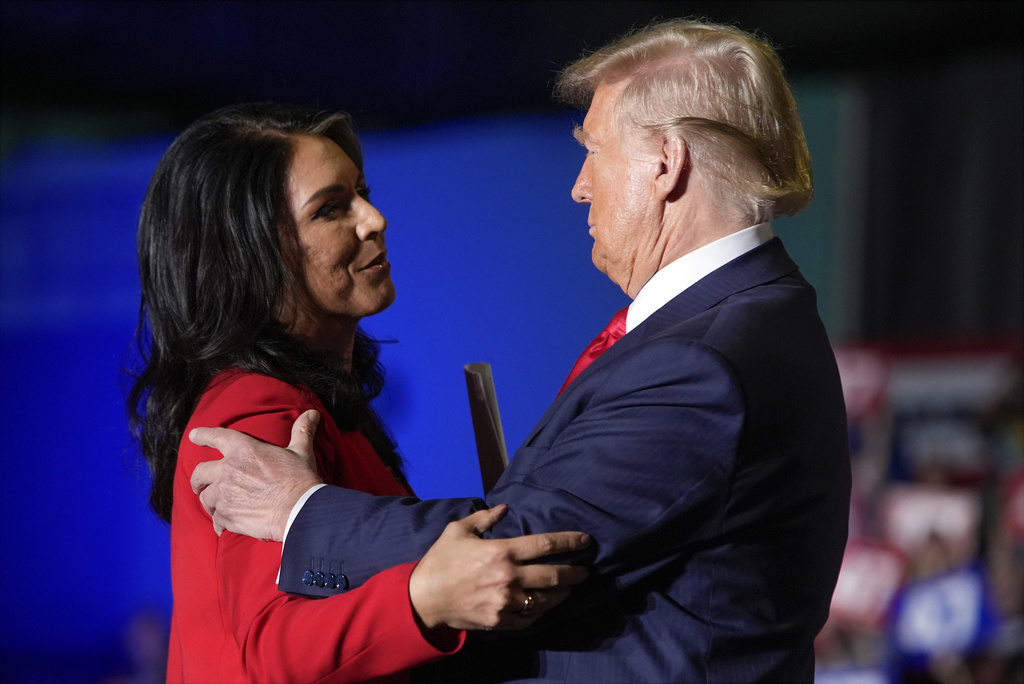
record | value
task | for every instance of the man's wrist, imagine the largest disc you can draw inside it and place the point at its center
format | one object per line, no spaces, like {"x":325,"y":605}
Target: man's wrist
{"x":298,"y":507}
{"x":294,"y":514}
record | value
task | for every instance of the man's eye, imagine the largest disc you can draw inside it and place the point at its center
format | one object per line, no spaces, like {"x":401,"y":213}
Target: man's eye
{"x":364,"y":192}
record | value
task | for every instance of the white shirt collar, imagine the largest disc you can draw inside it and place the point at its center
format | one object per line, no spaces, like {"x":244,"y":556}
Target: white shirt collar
{"x":675,"y":277}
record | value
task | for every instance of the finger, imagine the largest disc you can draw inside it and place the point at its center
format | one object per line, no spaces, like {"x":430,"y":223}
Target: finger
{"x":204,"y":474}
{"x":534,"y":546}
{"x":303,"y":431}
{"x":209,"y":505}
{"x":524,"y":613}
{"x":539,"y":600}
{"x":481,"y":521}
{"x":551,"y":576}
{"x":548,"y":599}
{"x":206,"y":499}
{"x":210,"y":437}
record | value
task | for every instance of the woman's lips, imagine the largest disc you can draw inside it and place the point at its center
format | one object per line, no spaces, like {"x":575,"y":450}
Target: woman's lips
{"x":380,"y":262}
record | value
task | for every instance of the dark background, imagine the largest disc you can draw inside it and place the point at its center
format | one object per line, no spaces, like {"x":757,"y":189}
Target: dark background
{"x":402,"y":63}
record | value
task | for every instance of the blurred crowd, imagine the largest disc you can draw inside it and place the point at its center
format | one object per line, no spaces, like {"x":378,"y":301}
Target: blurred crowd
{"x":932,"y":583}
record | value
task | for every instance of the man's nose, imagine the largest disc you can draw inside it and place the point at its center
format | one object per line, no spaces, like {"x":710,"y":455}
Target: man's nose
{"x":581,"y":189}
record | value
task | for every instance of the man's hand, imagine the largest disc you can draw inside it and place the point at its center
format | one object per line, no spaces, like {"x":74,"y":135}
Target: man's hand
{"x":467,"y":582}
{"x":253,"y":489}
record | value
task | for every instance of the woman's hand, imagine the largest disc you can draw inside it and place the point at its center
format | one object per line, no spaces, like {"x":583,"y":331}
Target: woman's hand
{"x":466,"y":582}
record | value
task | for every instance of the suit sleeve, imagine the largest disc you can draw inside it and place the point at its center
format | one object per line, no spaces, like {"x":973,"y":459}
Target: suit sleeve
{"x":362,"y":534}
{"x":638,"y":456}
{"x":366,"y":633}
{"x":641,"y":457}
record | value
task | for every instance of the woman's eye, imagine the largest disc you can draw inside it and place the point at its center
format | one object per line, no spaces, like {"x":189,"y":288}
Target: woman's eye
{"x":329,"y":208}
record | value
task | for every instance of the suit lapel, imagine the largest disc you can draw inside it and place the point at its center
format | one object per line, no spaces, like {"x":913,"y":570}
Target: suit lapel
{"x":761,"y":265}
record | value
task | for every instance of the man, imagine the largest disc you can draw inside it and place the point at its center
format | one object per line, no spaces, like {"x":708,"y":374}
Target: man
{"x":704,"y":452}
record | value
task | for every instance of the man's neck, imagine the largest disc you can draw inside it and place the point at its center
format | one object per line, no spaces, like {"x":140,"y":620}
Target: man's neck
{"x":677,"y":276}
{"x":696,"y":220}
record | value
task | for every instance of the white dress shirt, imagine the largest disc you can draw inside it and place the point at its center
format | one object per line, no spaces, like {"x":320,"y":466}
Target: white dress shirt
{"x":671,"y":280}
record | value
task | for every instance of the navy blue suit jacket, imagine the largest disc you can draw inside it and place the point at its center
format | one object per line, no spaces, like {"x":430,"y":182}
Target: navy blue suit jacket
{"x":705,"y":453}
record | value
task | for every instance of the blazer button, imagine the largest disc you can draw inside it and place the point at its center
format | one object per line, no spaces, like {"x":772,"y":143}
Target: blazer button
{"x":341,"y":582}
{"x":318,"y":579}
{"x":330,"y":580}
{"x":307,"y":578}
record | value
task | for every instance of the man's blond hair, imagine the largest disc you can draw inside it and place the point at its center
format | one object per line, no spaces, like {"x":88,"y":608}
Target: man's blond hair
{"x":721,"y":90}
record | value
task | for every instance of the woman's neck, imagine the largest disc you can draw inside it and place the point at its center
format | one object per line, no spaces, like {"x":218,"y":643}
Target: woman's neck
{"x":335,"y":336}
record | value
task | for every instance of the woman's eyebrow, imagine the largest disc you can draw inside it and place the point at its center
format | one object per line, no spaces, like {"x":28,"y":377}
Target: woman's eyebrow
{"x":330,"y":189}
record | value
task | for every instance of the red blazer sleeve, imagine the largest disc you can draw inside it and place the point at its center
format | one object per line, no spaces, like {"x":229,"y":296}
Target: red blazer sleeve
{"x":231,"y":623}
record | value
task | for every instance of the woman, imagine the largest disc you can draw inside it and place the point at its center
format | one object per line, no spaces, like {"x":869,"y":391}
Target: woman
{"x":259,"y":253}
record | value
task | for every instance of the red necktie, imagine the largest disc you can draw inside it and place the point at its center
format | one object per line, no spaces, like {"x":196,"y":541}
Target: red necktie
{"x":615,"y":329}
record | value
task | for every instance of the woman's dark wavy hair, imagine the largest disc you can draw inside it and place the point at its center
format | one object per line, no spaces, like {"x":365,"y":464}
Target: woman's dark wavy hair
{"x":219,"y":261}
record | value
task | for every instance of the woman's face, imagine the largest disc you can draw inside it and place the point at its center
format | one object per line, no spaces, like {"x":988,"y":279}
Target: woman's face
{"x":342,"y":240}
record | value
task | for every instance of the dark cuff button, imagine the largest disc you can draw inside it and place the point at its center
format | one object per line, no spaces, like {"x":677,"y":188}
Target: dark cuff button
{"x":307,"y":578}
{"x":318,"y":579}
{"x":341,"y":582}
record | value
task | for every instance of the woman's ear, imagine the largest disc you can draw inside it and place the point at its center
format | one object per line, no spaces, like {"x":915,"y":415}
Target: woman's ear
{"x":671,"y":181}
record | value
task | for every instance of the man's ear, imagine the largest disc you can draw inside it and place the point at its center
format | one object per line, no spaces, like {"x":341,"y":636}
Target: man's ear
{"x":671,"y":180}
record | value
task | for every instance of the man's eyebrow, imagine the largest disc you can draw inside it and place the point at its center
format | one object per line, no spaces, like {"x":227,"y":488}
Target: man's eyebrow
{"x":580,"y":135}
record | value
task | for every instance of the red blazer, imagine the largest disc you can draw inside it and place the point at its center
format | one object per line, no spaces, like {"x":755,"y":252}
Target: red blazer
{"x":230,"y":621}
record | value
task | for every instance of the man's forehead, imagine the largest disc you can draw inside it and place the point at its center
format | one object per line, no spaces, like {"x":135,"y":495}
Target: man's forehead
{"x":602,"y":115}
{"x":590,"y":131}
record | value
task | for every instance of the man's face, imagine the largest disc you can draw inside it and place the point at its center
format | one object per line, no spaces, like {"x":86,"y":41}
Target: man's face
{"x":617,"y":181}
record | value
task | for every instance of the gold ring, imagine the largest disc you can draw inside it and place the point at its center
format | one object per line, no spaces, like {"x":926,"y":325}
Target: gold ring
{"x":527,"y":603}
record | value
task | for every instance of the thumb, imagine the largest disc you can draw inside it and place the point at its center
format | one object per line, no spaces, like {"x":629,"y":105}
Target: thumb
{"x":303,"y":431}
{"x":209,"y":437}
